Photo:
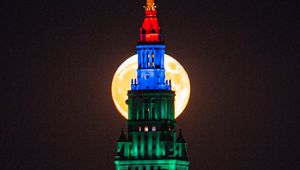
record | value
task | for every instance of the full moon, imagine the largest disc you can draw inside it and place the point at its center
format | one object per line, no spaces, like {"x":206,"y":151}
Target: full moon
{"x":174,"y":72}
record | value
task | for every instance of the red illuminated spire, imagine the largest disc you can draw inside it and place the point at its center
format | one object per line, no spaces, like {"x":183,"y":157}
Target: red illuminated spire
{"x":150,"y":30}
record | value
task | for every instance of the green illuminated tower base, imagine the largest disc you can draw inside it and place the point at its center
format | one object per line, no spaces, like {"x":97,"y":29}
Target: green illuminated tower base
{"x":152,"y":143}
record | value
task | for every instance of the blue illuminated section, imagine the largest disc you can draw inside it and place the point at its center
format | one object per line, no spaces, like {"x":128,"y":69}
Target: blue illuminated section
{"x":151,"y":71}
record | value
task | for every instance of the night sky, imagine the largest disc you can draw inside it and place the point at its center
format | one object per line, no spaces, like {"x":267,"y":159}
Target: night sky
{"x":58,"y":59}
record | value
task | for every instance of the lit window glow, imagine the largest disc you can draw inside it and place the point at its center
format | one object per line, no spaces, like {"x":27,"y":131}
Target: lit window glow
{"x":146,"y":129}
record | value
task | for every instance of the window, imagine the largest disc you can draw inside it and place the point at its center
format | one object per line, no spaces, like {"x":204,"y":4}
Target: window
{"x":153,"y":113}
{"x":153,"y":128}
{"x":146,"y":129}
{"x":146,"y":110}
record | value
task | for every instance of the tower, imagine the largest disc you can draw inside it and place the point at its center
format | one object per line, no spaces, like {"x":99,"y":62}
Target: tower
{"x":151,"y":142}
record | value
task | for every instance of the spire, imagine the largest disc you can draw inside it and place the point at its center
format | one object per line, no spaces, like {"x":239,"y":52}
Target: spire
{"x":122,"y":137}
{"x":180,"y":138}
{"x":150,"y":30}
{"x":150,"y":5}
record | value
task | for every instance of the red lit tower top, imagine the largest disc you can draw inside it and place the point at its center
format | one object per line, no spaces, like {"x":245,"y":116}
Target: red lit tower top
{"x":150,"y":31}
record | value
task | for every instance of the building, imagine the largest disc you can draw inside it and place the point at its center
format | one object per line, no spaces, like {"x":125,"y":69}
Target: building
{"x":151,"y":142}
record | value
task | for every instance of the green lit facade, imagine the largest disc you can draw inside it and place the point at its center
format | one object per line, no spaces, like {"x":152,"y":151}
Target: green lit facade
{"x":151,"y":141}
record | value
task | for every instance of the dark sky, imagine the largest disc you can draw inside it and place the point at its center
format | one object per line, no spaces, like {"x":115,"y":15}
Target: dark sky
{"x":58,"y":59}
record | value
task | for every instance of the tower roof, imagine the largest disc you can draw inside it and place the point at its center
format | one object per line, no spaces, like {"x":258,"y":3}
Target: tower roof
{"x":150,"y":31}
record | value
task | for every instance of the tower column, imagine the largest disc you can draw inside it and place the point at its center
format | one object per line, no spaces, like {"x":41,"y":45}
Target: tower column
{"x":151,"y":125}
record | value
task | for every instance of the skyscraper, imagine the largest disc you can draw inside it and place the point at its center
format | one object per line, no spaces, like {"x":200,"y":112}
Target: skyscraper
{"x":151,"y":142}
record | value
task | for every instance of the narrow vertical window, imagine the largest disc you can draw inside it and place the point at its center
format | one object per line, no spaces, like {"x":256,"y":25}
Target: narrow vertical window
{"x":148,"y":58}
{"x":153,"y":113}
{"x":153,"y":64}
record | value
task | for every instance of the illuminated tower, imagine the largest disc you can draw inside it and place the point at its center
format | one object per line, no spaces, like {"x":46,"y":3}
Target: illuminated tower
{"x":151,"y":142}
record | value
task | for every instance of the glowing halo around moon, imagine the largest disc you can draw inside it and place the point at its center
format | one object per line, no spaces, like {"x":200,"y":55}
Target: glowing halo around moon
{"x":174,"y":72}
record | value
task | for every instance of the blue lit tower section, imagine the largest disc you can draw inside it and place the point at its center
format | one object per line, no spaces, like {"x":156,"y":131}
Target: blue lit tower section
{"x":151,"y":71}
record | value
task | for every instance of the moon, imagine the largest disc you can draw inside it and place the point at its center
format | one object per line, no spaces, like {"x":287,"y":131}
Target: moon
{"x":174,"y":72}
